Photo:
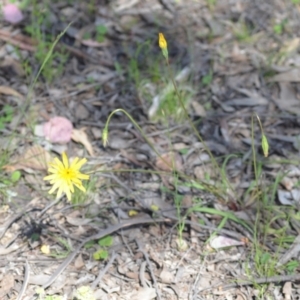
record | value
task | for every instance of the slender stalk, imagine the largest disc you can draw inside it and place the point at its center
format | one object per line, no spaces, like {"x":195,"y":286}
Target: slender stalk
{"x":194,"y":127}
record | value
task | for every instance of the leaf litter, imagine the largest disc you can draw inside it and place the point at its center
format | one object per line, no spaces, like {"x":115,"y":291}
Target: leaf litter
{"x":238,"y":67}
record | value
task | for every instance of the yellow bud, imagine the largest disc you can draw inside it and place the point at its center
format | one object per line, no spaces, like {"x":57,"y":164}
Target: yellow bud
{"x":265,"y":145}
{"x":162,"y":41}
{"x":132,"y":213}
{"x":154,"y":207}
{"x":105,"y":137}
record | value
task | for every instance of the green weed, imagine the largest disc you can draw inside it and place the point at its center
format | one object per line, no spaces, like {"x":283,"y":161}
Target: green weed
{"x":82,"y":293}
{"x":292,"y":266}
{"x":262,"y":261}
{"x":7,"y":181}
{"x":92,"y":7}
{"x":62,"y":253}
{"x":143,"y":66}
{"x":41,"y":294}
{"x":207,"y":79}
{"x":101,"y":31}
{"x":54,"y":65}
{"x":170,"y":107}
{"x":6,"y":115}
{"x":280,"y":27}
{"x":242,"y":32}
{"x":211,"y":4}
{"x":80,"y":197}
{"x":178,"y":205}
{"x":102,"y":252}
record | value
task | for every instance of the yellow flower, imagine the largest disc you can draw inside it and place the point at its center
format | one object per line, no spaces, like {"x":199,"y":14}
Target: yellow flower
{"x":162,"y":41}
{"x":64,"y":176}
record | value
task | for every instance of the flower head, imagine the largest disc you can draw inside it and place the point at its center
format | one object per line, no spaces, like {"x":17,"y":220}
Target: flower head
{"x":64,"y":176}
{"x":162,"y":41}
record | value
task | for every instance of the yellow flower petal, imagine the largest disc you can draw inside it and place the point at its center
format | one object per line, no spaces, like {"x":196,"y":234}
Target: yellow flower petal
{"x":81,"y":187}
{"x":59,"y":192}
{"x":51,"y":177}
{"x":54,"y":188}
{"x":69,"y":196}
{"x":52,"y":170}
{"x":57,"y":164}
{"x":65,"y":160}
{"x":70,"y":187}
{"x":78,"y":165}
{"x":83,"y":176}
{"x":74,"y":162}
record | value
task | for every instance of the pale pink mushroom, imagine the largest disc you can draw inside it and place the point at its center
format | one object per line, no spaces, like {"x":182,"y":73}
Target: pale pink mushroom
{"x":12,"y":13}
{"x":58,"y":130}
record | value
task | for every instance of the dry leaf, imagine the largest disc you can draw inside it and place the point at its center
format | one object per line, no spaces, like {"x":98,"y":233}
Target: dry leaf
{"x":287,"y":290}
{"x":166,"y":276}
{"x":35,"y":157}
{"x":11,"y":64}
{"x":290,"y":46}
{"x":223,"y":241}
{"x":79,"y":262}
{"x":117,"y":142}
{"x":145,"y":293}
{"x":288,"y":183}
{"x":292,"y":75}
{"x":79,"y":136}
{"x":39,"y":279}
{"x":182,"y":244}
{"x":198,"y":109}
{"x":169,"y":161}
{"x":253,"y":98}
{"x":7,"y":283}
{"x":77,"y":221}
{"x":92,"y":43}
{"x":9,"y":91}
{"x":288,"y":99}
{"x":285,"y":197}
{"x":296,"y":195}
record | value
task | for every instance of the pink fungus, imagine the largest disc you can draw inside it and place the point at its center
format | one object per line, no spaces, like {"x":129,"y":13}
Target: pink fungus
{"x":58,"y":130}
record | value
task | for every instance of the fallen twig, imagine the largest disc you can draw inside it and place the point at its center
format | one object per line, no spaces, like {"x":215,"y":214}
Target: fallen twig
{"x":279,"y":278}
{"x":103,"y":272}
{"x":25,"y":281}
{"x":96,"y":236}
{"x":150,"y":268}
